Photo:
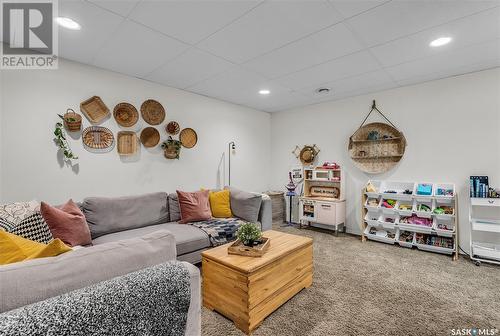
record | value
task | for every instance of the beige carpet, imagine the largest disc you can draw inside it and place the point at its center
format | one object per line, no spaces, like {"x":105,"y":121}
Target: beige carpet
{"x":377,"y":289}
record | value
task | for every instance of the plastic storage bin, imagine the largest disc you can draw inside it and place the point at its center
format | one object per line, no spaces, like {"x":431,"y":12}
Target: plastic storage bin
{"x":385,"y":204}
{"x":423,"y":191}
{"x":397,"y":190}
{"x":443,"y":210}
{"x":381,"y":235}
{"x":372,"y":204}
{"x":401,"y":238}
{"x":388,"y":220}
{"x":372,"y":218}
{"x":405,"y":208}
{"x":408,"y":223}
{"x":444,"y":191}
{"x":427,"y":242}
{"x":421,"y":206}
{"x":445,"y":228}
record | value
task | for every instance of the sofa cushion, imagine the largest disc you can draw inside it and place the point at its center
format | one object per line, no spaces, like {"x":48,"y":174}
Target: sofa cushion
{"x":245,"y":205}
{"x":67,"y":223}
{"x":15,"y":248}
{"x":220,"y":204}
{"x":188,"y":238}
{"x":194,"y":206}
{"x":107,"y":215}
{"x":35,"y":280}
{"x":173,"y":207}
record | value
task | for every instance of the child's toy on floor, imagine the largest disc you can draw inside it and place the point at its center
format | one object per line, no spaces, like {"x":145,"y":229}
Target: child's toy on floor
{"x":424,"y":189}
{"x":372,"y":202}
{"x":330,"y":165}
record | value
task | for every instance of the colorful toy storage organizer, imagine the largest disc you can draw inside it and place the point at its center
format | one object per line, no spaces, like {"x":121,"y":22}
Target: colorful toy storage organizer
{"x":411,"y":214}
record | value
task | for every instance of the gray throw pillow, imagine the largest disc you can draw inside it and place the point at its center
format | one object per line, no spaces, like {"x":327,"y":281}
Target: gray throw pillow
{"x":173,"y":207}
{"x":245,"y":205}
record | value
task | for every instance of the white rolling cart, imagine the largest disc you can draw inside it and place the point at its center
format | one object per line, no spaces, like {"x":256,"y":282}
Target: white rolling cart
{"x":484,"y":218}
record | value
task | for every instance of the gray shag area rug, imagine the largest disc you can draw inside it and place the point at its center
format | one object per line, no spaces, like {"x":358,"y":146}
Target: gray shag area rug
{"x":373,"y":288}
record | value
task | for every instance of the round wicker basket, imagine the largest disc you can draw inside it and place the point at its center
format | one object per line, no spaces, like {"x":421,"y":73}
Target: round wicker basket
{"x":376,"y":147}
{"x":188,"y":137}
{"x":125,"y":114}
{"x":150,"y":137}
{"x":152,"y":112}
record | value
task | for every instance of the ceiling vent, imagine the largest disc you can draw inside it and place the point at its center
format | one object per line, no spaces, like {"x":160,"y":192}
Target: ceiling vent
{"x":322,"y":90}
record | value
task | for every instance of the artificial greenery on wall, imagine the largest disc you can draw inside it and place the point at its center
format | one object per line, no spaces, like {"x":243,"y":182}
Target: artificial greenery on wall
{"x":62,"y":142}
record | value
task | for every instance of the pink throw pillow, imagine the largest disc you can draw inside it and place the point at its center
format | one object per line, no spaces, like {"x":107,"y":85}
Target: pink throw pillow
{"x":194,"y":206}
{"x":67,"y":223}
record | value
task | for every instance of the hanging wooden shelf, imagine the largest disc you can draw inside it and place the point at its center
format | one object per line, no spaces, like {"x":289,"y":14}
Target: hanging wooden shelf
{"x":376,"y":147}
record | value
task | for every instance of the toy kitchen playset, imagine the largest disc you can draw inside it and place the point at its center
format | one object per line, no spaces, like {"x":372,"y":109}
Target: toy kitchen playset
{"x":323,"y":202}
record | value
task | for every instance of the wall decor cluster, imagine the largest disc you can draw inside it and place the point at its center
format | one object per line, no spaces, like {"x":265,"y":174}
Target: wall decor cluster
{"x":376,"y":147}
{"x":99,"y":139}
{"x":307,"y":154}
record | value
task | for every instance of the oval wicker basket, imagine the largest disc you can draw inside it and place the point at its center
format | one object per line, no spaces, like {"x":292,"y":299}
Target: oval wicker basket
{"x":376,"y":147}
{"x":72,"y":121}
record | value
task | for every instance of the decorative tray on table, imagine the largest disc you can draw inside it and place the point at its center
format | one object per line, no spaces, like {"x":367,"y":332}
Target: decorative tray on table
{"x":256,"y":251}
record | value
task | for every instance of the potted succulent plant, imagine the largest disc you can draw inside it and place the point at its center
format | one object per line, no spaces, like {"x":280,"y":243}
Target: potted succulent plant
{"x":249,"y":234}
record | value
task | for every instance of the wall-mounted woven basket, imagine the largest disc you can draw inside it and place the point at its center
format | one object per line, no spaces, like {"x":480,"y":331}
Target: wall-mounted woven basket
{"x":72,"y":121}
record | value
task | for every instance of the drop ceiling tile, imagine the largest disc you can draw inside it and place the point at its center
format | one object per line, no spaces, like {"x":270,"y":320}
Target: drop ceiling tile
{"x":448,"y":63}
{"x":120,"y":7}
{"x":472,"y":29}
{"x":236,"y":85}
{"x":317,"y":48}
{"x":396,"y":19}
{"x":347,"y":66}
{"x":97,"y":24}
{"x":349,"y":8}
{"x":361,"y":82}
{"x":137,"y":50}
{"x":190,"y":21}
{"x":269,"y":26}
{"x":278,"y":100}
{"x":188,"y":69}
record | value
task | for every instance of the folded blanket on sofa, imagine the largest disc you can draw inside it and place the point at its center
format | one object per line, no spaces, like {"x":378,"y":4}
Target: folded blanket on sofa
{"x":152,"y":301}
{"x":220,"y":231}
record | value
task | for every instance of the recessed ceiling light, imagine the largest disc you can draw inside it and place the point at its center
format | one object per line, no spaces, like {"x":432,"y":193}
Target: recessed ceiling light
{"x":264,"y":92}
{"x":322,"y":90}
{"x":68,"y":23}
{"x":440,"y":41}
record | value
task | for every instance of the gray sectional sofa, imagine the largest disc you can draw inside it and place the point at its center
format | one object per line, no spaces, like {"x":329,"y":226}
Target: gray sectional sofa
{"x":129,"y":234}
{"x":112,"y":219}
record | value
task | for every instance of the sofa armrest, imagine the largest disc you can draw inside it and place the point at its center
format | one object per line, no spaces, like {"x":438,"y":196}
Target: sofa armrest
{"x":193,"y":324}
{"x":266,"y":213}
{"x":35,"y":280}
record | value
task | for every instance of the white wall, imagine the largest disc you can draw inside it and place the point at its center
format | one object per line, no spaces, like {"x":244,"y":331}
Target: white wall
{"x":452,"y":127}
{"x":32,"y":169}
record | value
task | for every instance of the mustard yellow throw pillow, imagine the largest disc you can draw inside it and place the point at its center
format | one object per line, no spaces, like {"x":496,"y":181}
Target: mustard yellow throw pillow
{"x":220,"y":204}
{"x":14,"y":248}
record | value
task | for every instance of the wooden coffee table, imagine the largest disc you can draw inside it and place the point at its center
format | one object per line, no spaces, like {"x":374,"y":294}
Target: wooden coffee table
{"x":248,"y":289}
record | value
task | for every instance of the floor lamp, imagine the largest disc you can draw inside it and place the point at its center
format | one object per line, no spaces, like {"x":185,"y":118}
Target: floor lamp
{"x":231,"y":146}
